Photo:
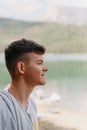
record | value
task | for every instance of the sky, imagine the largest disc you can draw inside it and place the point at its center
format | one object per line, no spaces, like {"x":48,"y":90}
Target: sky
{"x":34,"y":9}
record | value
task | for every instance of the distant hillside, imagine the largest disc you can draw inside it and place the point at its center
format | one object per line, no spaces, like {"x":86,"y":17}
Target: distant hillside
{"x":58,"y":38}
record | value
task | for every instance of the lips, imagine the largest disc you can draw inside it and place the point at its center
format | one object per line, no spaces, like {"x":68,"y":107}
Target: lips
{"x":42,"y":74}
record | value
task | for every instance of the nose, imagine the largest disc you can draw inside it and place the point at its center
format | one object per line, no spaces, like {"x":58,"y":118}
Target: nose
{"x":45,"y":68}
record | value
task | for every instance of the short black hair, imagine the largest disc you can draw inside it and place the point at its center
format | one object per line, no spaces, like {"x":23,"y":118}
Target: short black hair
{"x":17,"y":49}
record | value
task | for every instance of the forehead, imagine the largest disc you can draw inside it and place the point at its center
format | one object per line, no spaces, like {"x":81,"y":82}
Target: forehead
{"x":34,"y":57}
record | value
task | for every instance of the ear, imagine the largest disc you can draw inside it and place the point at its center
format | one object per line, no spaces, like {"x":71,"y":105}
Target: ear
{"x":21,"y":67}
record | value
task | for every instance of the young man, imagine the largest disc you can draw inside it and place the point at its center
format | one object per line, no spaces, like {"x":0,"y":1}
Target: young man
{"x":25,"y":63}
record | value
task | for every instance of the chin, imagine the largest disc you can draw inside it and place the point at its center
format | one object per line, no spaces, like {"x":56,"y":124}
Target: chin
{"x":43,"y":83}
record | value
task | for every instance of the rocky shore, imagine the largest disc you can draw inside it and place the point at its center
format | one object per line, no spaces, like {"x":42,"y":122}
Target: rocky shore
{"x":63,"y":120}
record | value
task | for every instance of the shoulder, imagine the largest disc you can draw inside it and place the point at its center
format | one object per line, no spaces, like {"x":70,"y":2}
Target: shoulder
{"x":2,"y":100}
{"x":4,"y":111}
{"x":6,"y":105}
{"x":3,"y":104}
{"x":6,"y":119}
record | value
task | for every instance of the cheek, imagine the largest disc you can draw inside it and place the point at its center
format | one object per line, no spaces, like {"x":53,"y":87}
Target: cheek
{"x":33,"y":73}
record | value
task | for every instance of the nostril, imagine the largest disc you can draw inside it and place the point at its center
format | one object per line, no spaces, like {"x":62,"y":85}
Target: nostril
{"x":45,"y":68}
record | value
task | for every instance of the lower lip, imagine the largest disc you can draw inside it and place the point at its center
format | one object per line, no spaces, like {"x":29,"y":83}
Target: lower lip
{"x":43,"y":75}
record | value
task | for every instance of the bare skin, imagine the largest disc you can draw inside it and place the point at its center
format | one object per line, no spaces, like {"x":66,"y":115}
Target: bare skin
{"x":27,"y":77}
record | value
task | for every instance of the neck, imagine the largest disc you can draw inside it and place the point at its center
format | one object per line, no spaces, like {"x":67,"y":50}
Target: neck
{"x":21,"y":92}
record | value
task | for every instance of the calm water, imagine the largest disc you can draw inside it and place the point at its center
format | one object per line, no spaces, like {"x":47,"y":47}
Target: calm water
{"x":73,"y":93}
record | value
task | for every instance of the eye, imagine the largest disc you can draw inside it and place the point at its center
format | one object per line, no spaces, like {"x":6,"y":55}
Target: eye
{"x":39,"y":63}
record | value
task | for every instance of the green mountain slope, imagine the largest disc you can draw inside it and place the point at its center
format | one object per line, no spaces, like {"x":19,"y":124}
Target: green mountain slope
{"x":58,"y":38}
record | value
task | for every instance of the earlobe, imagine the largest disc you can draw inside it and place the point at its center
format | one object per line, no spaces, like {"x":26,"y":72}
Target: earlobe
{"x":20,"y":67}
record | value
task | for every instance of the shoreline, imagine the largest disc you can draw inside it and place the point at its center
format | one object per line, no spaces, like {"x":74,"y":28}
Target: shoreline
{"x":63,"y":120}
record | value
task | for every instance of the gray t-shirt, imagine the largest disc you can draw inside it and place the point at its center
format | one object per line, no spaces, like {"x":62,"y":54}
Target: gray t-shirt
{"x":13,"y":116}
